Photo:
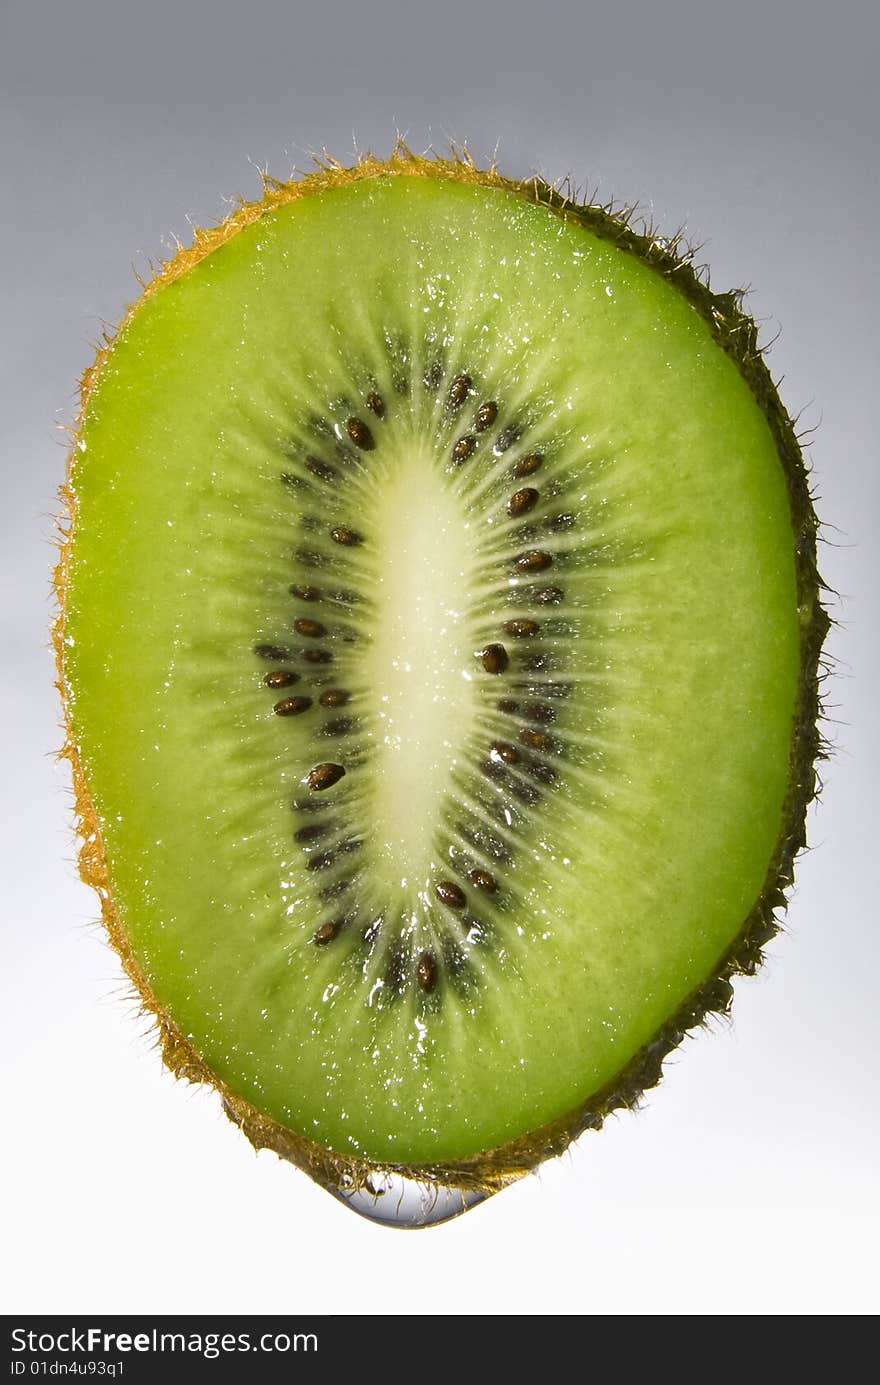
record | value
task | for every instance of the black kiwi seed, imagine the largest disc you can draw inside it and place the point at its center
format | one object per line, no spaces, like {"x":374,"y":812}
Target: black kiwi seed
{"x":459,"y":390}
{"x":433,"y":375}
{"x":544,"y":773}
{"x":322,"y":470}
{"x":339,"y":726}
{"x":336,"y":889}
{"x":521,"y":629}
{"x":321,"y":860}
{"x":485,"y":416}
{"x":533,"y":561}
{"x":539,"y":711}
{"x":395,"y":972}
{"x":450,"y":894}
{"x":360,"y":434}
{"x":426,"y":971}
{"x":273,"y":652}
{"x":321,"y":426}
{"x":327,"y":932}
{"x":537,"y":740}
{"x":463,"y":449}
{"x":506,"y":752}
{"x":493,"y":769}
{"x":376,"y":404}
{"x":507,"y":437}
{"x":317,"y":656}
{"x":485,"y":841}
{"x":526,"y":533}
{"x":526,"y":793}
{"x":483,"y":880}
{"x":312,"y":832}
{"x":324,"y":776}
{"x":371,"y":932}
{"x":281,"y":678}
{"x":548,"y":596}
{"x":494,"y":658}
{"x":528,"y":464}
{"x":334,"y":697}
{"x":304,"y":593}
{"x":454,"y":959}
{"x":349,"y":538}
{"x":522,"y":501}
{"x":306,"y":558}
{"x":311,"y":629}
{"x":507,"y":704}
{"x":292,"y":706}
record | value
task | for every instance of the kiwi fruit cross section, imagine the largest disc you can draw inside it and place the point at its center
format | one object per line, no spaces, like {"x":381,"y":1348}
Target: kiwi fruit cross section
{"x":428,"y":562}
{"x":438,"y":640}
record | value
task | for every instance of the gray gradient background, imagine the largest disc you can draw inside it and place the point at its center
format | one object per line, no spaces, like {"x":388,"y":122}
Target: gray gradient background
{"x":749,"y":1182}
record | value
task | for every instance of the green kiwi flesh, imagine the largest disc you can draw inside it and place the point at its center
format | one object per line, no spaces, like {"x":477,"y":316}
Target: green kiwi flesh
{"x":438,"y":640}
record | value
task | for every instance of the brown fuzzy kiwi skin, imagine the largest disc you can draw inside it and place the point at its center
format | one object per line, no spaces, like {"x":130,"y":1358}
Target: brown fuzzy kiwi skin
{"x":737,"y":334}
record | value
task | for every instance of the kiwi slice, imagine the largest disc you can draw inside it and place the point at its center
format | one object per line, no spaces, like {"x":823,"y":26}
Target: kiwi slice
{"x":438,"y":638}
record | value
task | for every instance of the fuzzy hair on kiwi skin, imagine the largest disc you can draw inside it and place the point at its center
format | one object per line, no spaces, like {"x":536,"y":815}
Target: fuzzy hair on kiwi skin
{"x":737,"y":334}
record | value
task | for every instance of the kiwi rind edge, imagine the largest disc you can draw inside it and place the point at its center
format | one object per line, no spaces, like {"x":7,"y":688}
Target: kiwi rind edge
{"x":737,"y":334}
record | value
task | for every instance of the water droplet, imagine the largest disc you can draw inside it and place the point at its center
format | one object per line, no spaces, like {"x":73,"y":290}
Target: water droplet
{"x":407,"y":1203}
